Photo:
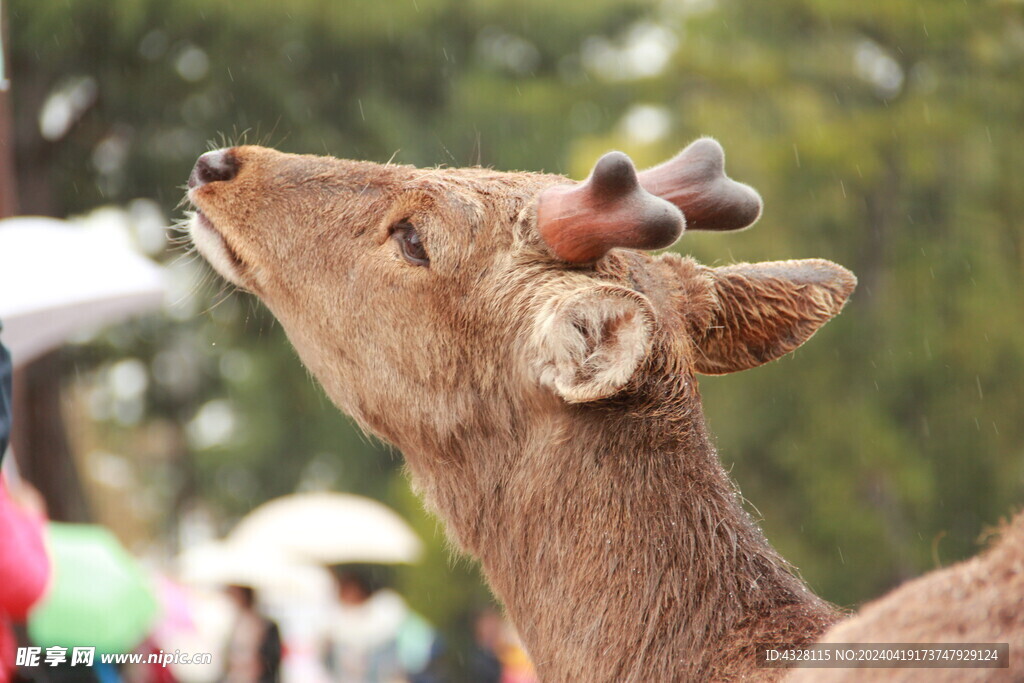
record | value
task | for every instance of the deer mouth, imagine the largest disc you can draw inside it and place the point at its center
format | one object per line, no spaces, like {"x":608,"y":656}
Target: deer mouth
{"x":211,"y":243}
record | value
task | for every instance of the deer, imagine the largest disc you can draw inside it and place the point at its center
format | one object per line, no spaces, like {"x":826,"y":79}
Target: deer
{"x":514,"y":336}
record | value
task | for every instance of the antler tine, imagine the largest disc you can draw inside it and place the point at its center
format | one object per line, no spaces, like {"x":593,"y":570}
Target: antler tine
{"x":609,"y":209}
{"x":695,"y":181}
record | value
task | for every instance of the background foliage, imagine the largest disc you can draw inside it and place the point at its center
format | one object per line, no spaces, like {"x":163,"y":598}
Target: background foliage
{"x":884,"y":135}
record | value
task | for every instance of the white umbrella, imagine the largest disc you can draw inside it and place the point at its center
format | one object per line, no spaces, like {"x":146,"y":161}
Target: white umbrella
{"x":330,"y":528}
{"x":225,"y":563}
{"x":56,"y":280}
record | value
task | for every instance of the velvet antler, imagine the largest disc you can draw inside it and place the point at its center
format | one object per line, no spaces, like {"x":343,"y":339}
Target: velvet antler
{"x":609,"y":209}
{"x":695,"y":181}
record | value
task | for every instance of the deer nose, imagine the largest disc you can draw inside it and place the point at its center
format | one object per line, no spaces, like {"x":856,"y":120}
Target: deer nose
{"x":218,"y":165}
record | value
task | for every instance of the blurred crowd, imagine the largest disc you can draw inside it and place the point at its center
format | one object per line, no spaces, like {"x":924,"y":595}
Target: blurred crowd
{"x":365,"y":632}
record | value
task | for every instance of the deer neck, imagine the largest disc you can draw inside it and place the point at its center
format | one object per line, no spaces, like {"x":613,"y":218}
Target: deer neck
{"x":621,"y":551}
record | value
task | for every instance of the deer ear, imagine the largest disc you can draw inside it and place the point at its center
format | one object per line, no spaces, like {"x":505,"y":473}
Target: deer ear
{"x":587,"y":344}
{"x":768,"y":309}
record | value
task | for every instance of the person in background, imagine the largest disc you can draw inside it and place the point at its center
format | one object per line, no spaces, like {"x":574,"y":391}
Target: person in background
{"x":497,"y":655}
{"x":254,"y":648}
{"x":483,"y":663}
{"x":374,"y":637}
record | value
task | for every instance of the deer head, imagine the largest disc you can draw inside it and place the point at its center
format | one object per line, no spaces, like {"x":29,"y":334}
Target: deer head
{"x":421,"y":297}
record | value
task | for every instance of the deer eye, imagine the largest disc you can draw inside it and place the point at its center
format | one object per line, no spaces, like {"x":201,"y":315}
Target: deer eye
{"x":410,"y":243}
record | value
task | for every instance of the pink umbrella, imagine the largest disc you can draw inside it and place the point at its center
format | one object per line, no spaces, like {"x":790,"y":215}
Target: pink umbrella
{"x":24,"y":571}
{"x":24,"y":563}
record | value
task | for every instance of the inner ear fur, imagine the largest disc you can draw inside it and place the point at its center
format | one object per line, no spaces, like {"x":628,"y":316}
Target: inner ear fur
{"x":765,"y":310}
{"x":588,"y":343}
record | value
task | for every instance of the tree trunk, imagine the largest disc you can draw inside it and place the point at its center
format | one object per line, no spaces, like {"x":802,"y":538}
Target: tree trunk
{"x":40,"y":440}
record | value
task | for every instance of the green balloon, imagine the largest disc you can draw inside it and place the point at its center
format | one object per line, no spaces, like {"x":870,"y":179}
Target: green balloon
{"x":99,"y":596}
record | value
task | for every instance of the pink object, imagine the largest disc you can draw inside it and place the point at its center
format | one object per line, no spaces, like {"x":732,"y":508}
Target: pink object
{"x":7,"y":651}
{"x":175,"y":611}
{"x":24,"y":563}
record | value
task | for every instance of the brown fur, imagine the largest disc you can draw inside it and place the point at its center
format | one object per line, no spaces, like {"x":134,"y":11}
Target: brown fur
{"x":980,"y":600}
{"x":548,"y":414}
